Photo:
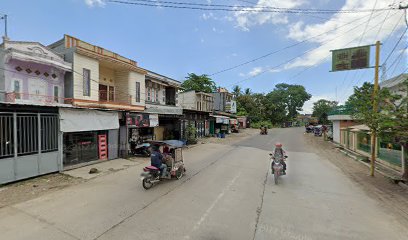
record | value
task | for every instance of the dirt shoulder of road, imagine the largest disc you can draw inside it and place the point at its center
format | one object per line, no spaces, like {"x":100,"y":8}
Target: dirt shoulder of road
{"x":388,"y":194}
{"x":28,"y":189}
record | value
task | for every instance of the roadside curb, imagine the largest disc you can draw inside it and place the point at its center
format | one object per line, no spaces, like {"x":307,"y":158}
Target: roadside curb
{"x":403,"y":185}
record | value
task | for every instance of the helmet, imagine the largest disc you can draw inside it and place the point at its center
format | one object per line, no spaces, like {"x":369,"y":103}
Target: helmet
{"x":278,"y":145}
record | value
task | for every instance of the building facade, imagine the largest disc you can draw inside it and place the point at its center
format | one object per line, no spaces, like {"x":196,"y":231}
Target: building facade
{"x":31,"y":90}
{"x":197,"y":107}
{"x":102,"y":87}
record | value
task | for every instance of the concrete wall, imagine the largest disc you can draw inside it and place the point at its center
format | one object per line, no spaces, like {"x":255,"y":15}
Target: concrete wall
{"x":79,"y":63}
{"x":336,"y":131}
{"x":131,"y":86}
{"x":187,"y":100}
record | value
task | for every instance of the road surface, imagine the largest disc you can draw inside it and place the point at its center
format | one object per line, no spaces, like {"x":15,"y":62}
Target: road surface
{"x":227,"y":193}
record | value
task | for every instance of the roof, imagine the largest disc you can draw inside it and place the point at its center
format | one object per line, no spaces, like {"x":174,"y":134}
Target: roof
{"x":360,"y":127}
{"x":394,"y":81}
{"x":154,"y":74}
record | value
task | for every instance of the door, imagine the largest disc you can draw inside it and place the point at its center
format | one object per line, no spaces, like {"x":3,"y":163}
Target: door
{"x":113,"y":148}
{"x":37,"y":88}
{"x":103,"y":93}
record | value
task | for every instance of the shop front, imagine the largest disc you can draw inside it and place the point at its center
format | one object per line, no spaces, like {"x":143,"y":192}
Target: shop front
{"x":221,"y":124}
{"x":169,"y":127}
{"x":198,"y":119}
{"x":88,"y":135}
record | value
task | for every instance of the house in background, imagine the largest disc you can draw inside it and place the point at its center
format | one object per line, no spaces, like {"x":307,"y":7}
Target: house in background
{"x":197,"y":107}
{"x":161,"y":94}
{"x":103,"y":87}
{"x":31,"y":90}
{"x":225,"y":109}
{"x":356,"y":137}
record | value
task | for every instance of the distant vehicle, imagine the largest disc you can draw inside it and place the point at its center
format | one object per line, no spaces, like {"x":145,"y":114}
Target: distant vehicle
{"x":318,"y":130}
{"x":309,"y":128}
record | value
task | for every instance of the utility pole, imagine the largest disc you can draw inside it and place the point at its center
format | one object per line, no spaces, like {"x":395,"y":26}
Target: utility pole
{"x":5,"y":24}
{"x":375,"y":108}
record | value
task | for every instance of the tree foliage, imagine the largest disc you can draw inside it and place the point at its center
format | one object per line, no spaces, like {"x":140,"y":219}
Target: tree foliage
{"x":280,"y":105}
{"x":199,"y":83}
{"x":321,"y":109}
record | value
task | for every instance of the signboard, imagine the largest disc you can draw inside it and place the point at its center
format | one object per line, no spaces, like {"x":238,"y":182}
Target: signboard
{"x":351,"y":58}
{"x":225,"y":121}
{"x":219,"y":120}
{"x":231,"y":107}
{"x":138,"y":120}
{"x":154,"y":120}
{"x":233,"y":121}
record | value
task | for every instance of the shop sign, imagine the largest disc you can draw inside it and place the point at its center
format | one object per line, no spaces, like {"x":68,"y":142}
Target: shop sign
{"x":231,"y":107}
{"x":138,"y":120}
{"x":219,"y":120}
{"x":226,"y":121}
{"x":233,"y":121}
{"x":351,"y":58}
{"x":154,"y":120}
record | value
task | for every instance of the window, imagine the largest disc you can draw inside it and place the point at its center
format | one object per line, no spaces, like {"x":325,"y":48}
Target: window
{"x":164,"y":96}
{"x":137,"y":91}
{"x":148,"y":94}
{"x":156,"y":99}
{"x":86,"y":82}
{"x":17,"y":89}
{"x":6,"y":135}
{"x":56,"y":93}
{"x":111,"y":93}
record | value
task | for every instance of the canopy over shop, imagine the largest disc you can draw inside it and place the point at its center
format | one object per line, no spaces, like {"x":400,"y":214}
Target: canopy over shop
{"x":88,"y":135}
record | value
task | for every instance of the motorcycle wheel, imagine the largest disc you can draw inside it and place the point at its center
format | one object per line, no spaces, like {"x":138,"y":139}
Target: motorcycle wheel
{"x":180,"y":173}
{"x":147,"y":184}
{"x":276,"y":176}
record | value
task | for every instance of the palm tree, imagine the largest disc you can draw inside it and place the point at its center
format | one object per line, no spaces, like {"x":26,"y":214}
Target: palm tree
{"x":248,"y":91}
{"x":236,"y":90}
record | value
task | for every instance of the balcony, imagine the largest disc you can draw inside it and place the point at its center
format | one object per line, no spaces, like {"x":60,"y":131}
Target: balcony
{"x":33,"y":99}
{"x":108,"y":99}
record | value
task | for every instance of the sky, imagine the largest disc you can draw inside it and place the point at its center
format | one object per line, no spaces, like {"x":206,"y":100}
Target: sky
{"x":290,"y":48}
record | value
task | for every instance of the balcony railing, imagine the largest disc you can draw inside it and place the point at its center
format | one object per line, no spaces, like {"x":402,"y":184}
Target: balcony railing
{"x":114,"y":97}
{"x":19,"y":97}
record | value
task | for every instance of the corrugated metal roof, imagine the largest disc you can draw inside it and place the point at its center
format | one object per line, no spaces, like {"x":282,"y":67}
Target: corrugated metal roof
{"x":394,"y":81}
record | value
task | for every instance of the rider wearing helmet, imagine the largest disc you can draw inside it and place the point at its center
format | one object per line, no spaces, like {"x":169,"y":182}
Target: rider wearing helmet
{"x":280,"y":154}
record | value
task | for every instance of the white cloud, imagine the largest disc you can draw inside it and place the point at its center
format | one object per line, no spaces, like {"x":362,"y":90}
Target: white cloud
{"x":244,"y":19}
{"x":95,"y":3}
{"x":308,"y":106}
{"x":338,"y":38}
{"x":208,"y":16}
{"x":255,"y":71}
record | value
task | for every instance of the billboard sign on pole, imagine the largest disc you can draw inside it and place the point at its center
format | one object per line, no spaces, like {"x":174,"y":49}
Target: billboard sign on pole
{"x":351,"y":58}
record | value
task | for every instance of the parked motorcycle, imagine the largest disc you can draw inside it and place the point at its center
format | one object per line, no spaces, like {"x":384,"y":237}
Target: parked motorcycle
{"x":140,"y":148}
{"x":277,"y":167}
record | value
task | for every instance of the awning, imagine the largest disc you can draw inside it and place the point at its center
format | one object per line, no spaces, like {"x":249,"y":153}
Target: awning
{"x":221,"y":119}
{"x":80,"y":120}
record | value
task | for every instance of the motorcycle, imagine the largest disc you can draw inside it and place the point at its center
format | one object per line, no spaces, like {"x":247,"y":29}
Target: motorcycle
{"x":151,"y":175}
{"x":140,"y":148}
{"x":277,"y":167}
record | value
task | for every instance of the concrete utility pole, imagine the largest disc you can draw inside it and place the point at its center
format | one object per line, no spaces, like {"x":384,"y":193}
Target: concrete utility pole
{"x":5,"y":24}
{"x":375,"y":108}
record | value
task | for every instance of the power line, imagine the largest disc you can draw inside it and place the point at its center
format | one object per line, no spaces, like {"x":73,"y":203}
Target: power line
{"x":290,"y":60}
{"x":287,"y":47}
{"x":395,"y":46}
{"x":236,"y":8}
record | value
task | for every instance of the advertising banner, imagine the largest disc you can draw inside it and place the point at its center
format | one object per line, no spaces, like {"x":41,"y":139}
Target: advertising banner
{"x":154,"y":120}
{"x":351,"y":58}
{"x":137,"y":120}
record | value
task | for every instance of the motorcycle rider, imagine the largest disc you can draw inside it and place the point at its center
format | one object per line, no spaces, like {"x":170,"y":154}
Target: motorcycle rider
{"x":156,"y":159}
{"x":279,"y":153}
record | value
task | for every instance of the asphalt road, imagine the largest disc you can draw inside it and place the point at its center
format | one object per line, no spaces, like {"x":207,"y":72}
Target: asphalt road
{"x":227,"y":193}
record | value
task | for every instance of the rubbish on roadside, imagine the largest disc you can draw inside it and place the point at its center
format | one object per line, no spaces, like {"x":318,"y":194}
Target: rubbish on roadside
{"x":93,"y":171}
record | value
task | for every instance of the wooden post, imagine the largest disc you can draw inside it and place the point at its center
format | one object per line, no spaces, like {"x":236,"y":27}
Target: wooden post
{"x":375,"y":109}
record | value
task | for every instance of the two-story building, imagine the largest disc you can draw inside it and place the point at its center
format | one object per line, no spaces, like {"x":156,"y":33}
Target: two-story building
{"x":197,"y":107}
{"x":102,"y":88}
{"x":31,"y":90}
{"x":225,"y":108}
{"x":161,"y":94}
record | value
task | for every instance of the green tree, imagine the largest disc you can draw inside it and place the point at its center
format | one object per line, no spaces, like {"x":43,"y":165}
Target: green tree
{"x":321,"y":109}
{"x":247,"y":91}
{"x":236,"y":91}
{"x":294,"y":96}
{"x":396,"y":125}
{"x":361,"y":105}
{"x":199,"y":83}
